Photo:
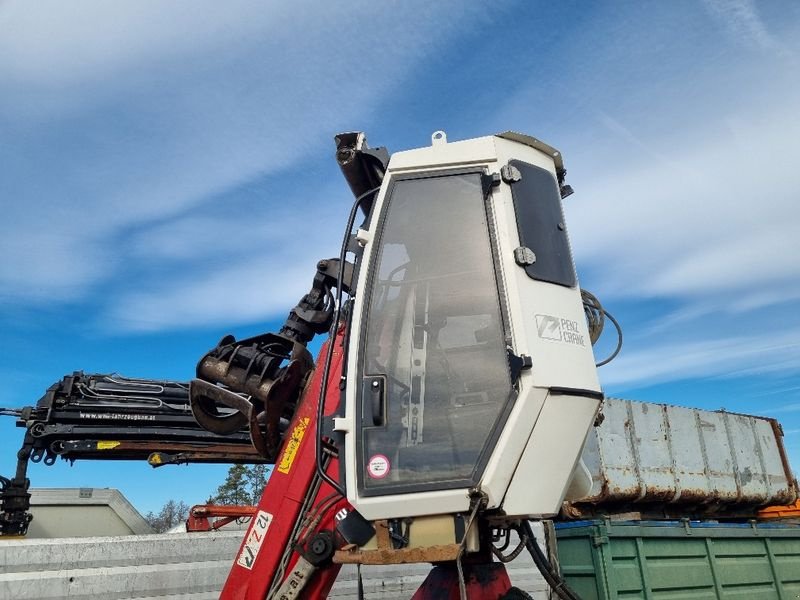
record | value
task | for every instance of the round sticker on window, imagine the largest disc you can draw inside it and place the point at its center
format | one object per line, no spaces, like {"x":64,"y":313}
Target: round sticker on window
{"x":378,"y":466}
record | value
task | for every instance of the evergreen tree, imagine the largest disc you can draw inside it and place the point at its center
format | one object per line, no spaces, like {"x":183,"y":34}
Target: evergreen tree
{"x":242,"y":486}
{"x":170,"y":515}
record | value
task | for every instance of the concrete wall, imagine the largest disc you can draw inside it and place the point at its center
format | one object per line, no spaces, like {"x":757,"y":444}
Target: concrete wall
{"x":75,"y":521}
{"x":83,"y":512}
{"x":191,"y":566}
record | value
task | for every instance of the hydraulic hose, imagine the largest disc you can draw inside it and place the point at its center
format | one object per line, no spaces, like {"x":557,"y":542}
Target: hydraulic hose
{"x":334,"y":329}
{"x":553,"y":579}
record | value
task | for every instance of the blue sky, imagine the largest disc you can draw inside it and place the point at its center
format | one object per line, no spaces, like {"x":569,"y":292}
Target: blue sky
{"x":167,"y":176}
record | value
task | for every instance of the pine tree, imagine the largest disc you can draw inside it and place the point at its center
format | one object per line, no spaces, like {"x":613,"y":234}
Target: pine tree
{"x":170,"y":515}
{"x":242,"y":486}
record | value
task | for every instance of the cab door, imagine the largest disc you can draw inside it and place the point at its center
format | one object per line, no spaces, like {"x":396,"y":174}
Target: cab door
{"x":434,"y":375}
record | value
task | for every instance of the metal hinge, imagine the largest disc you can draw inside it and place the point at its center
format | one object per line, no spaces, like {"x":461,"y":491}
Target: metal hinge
{"x":489,"y":181}
{"x":510,"y":174}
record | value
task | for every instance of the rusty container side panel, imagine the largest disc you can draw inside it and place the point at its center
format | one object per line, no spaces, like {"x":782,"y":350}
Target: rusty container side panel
{"x":657,"y":454}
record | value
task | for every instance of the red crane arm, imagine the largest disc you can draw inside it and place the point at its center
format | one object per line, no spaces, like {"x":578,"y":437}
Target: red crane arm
{"x":295,"y":515}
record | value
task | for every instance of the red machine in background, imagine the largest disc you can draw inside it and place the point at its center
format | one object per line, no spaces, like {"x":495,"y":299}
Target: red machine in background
{"x":200,"y":516}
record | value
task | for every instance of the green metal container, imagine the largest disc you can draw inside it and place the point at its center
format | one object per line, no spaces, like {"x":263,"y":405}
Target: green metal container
{"x":621,"y":560}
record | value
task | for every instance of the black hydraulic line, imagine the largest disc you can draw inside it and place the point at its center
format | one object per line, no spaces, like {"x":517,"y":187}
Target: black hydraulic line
{"x":334,"y":330}
{"x":619,"y":340}
{"x":595,"y":319}
{"x":553,"y":579}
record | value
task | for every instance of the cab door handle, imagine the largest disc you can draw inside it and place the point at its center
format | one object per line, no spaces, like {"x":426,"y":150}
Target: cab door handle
{"x":373,"y":401}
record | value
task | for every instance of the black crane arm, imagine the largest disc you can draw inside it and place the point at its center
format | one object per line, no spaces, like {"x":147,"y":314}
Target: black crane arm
{"x":110,"y":417}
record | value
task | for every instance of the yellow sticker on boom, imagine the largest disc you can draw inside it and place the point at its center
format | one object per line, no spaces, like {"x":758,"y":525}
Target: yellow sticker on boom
{"x":107,"y":445}
{"x":293,"y":445}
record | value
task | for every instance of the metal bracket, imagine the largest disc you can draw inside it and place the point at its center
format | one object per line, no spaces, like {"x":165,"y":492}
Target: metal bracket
{"x":489,"y":181}
{"x":517,"y":364}
{"x":388,"y":556}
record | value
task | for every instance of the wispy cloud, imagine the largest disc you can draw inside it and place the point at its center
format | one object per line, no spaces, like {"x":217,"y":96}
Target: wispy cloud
{"x":687,"y":191}
{"x":734,"y":356}
{"x":787,"y":408}
{"x":723,"y":221}
{"x":741,"y":19}
{"x":232,"y":295}
{"x":616,"y":128}
{"x":235,"y":267}
{"x":119,"y":115}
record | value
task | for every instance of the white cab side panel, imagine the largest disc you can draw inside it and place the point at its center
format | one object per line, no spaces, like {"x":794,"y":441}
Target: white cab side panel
{"x":559,"y":357}
{"x":553,"y":451}
{"x":556,"y":363}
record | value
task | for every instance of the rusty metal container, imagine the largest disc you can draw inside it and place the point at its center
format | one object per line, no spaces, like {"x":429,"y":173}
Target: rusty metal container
{"x":670,"y":460}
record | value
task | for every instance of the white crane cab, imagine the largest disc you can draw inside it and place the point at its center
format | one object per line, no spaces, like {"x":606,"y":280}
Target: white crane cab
{"x":470,"y":368}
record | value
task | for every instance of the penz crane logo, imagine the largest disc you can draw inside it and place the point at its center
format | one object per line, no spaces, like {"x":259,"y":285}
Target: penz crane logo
{"x":559,"y":330}
{"x":549,"y":327}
